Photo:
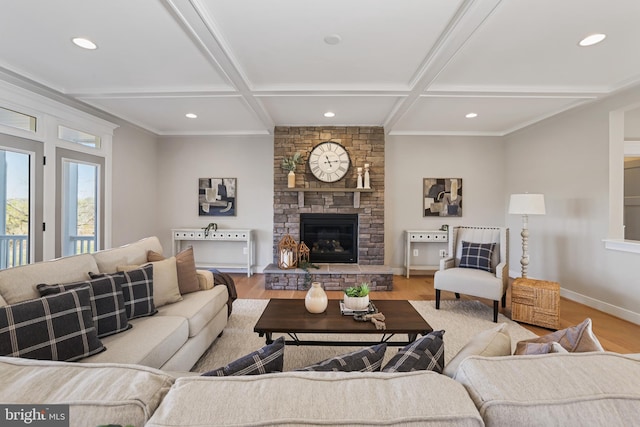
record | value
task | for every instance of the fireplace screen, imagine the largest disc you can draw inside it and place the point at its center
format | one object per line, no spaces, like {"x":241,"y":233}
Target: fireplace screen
{"x":331,"y":238}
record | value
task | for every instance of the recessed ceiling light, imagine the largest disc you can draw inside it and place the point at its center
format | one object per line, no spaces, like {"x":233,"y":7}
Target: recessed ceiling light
{"x":471,"y":115}
{"x":333,"y":39}
{"x":84,"y":43}
{"x":191,"y":116}
{"x":329,"y":114}
{"x":592,"y":39}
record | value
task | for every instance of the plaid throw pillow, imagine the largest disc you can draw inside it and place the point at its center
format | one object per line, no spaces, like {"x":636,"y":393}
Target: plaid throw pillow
{"x":365,"y":360}
{"x":56,"y":327}
{"x":137,"y":289}
{"x":424,"y":354}
{"x":476,"y":255}
{"x":107,"y":302}
{"x":269,"y":358}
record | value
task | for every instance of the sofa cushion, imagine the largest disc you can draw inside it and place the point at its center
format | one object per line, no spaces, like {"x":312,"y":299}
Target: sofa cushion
{"x":477,"y":255}
{"x":578,"y":338}
{"x":317,"y":398}
{"x":198,"y":308}
{"x":97,"y":394}
{"x":266,"y":360}
{"x":131,"y":254}
{"x":542,"y":348}
{"x":165,"y":282}
{"x":491,"y":343}
{"x":137,"y":290}
{"x":568,"y":389}
{"x":368,"y":359}
{"x":186,"y":266}
{"x":151,"y":342}
{"x":19,"y":283}
{"x":107,"y":302}
{"x":56,"y":327}
{"x":424,"y":354}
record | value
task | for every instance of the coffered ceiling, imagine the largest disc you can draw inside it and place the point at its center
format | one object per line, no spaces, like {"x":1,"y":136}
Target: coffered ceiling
{"x":416,"y":67}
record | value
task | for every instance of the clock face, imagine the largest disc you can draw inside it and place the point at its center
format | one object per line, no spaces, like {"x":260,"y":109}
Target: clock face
{"x":329,"y":161}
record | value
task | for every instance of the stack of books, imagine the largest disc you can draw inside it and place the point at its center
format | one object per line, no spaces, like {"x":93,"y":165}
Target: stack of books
{"x":348,"y":312}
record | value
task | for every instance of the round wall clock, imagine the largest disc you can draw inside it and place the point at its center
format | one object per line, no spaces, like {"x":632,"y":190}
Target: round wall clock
{"x":329,"y":161}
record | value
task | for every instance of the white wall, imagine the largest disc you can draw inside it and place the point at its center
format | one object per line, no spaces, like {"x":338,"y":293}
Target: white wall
{"x":134,"y":185}
{"x":479,"y":161}
{"x":567,"y":159}
{"x":183,"y":160}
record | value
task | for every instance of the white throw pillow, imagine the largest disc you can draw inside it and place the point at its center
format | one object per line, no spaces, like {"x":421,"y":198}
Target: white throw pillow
{"x":165,"y":282}
{"x":492,"y":342}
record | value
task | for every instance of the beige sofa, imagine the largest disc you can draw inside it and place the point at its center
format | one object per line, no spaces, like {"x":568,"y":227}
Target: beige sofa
{"x":570,"y":389}
{"x":172,"y":340}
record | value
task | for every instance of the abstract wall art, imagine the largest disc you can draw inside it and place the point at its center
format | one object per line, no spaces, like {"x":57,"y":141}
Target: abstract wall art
{"x":442,"y":196}
{"x":217,"y":196}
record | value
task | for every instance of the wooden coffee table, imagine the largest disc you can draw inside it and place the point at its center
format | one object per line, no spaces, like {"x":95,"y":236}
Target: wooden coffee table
{"x":289,"y":316}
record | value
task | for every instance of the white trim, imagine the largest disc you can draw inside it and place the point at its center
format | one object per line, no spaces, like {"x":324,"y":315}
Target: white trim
{"x":622,"y":245}
{"x":611,"y":309}
{"x":631,"y":148}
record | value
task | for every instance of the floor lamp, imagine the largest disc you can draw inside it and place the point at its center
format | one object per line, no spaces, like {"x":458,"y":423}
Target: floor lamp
{"x":525,"y":205}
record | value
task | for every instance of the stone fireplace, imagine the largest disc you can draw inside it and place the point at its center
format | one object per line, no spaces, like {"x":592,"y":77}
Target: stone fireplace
{"x":311,"y":196}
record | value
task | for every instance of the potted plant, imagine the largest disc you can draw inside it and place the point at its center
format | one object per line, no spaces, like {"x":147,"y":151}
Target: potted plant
{"x":357,"y":297}
{"x":289,"y":164}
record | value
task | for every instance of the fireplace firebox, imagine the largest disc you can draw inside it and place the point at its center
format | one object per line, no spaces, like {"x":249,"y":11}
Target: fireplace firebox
{"x":331,"y":238}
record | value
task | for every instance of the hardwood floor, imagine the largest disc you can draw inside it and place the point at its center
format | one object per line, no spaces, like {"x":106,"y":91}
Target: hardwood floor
{"x":615,"y":334}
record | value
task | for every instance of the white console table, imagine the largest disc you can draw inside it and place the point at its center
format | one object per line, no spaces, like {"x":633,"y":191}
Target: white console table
{"x":422,"y":236}
{"x":198,"y":234}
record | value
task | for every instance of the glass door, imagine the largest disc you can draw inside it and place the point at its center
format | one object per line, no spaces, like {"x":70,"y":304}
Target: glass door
{"x":80,"y":199}
{"x":20,"y":201}
{"x":80,"y":204}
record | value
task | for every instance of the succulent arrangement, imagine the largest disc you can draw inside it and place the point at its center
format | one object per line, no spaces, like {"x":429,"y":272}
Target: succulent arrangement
{"x":361,"y":290}
{"x":290,"y":163}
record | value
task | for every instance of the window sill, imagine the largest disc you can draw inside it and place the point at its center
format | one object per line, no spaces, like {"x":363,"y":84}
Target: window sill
{"x":623,"y":245}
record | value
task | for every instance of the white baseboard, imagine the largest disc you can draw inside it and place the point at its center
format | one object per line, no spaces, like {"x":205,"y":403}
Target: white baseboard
{"x":605,"y":307}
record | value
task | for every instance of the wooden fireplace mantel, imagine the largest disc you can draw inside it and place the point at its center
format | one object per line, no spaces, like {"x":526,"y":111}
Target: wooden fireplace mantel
{"x":356,"y":193}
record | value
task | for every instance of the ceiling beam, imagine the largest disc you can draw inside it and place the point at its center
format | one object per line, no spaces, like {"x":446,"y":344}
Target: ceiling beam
{"x":469,"y":17}
{"x":201,"y":27}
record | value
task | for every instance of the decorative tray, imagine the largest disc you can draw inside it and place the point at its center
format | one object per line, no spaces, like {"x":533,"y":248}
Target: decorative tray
{"x":348,"y":312}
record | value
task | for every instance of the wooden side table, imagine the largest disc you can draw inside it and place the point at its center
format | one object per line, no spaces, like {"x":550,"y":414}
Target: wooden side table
{"x":536,"y":302}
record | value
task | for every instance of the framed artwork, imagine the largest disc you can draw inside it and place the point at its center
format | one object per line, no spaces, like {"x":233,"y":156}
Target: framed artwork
{"x":217,"y":196}
{"x":442,"y":197}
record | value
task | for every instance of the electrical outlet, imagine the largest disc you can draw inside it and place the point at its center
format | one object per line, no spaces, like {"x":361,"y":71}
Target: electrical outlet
{"x":415,"y":252}
{"x":443,"y":253}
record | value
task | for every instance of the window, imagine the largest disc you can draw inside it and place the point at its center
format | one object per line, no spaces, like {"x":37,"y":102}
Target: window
{"x":17,"y":120}
{"x":78,"y":137}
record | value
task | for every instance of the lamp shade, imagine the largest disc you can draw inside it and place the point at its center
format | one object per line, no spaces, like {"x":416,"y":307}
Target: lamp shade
{"x":527,"y":204}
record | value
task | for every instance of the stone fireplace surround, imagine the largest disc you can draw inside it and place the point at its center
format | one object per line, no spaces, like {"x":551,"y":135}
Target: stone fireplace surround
{"x":364,"y":145}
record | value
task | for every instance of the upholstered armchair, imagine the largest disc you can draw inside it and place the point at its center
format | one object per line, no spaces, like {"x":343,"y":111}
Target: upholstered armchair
{"x":477,"y":265}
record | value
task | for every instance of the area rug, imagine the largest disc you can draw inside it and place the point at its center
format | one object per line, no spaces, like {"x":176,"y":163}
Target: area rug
{"x":461,"y":320}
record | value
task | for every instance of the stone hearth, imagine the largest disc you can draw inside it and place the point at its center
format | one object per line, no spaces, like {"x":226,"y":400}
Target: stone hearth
{"x":334,"y":277}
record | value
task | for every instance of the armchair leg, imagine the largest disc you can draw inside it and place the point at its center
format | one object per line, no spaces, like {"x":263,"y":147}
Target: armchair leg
{"x":437,"y":299}
{"x":495,"y":312}
{"x":504,"y":300}
{"x":457,"y":295}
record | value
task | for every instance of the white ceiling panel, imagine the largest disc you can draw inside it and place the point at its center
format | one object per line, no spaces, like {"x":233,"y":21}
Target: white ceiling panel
{"x":140,"y":47}
{"x":166,"y":116}
{"x":496,"y":115}
{"x":533,"y":45}
{"x":309,"y":110}
{"x":280,"y":44}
